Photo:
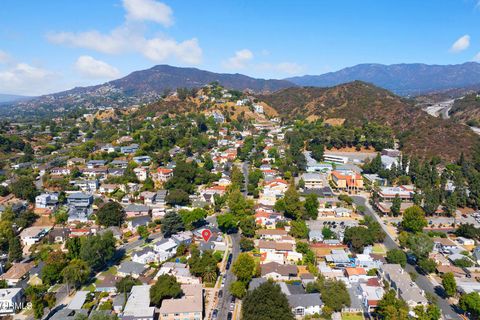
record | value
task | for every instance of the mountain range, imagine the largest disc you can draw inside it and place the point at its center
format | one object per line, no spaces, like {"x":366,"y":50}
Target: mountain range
{"x":8,"y":98}
{"x":149,"y":85}
{"x":403,"y":79}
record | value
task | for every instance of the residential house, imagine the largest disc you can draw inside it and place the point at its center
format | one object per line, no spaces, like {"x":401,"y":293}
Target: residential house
{"x":166,"y":249}
{"x":96,"y":164}
{"x":12,"y":300}
{"x":138,"y":304}
{"x":180,"y":271}
{"x":106,"y":188}
{"x":355,"y":274}
{"x":86,"y":185}
{"x":32,"y":235}
{"x":80,"y":206}
{"x":272,"y":191}
{"x":122,"y":164}
{"x":17,"y":272}
{"x":371,"y":293}
{"x":279,"y":272}
{"x":274,"y":246}
{"x":47,"y":201}
{"x":401,"y":282}
{"x":444,"y":245}
{"x":107,"y":284}
{"x":131,"y":268}
{"x":148,"y":197}
{"x":271,"y":234}
{"x":142,"y":159}
{"x":144,"y":256}
{"x":129,"y":149}
{"x":60,"y":171}
{"x":184,"y":237}
{"x":141,"y":173}
{"x":58,"y":235}
{"x":163,"y":174}
{"x":136,"y":210}
{"x":75,"y":161}
{"x":136,"y":222}
{"x":306,"y":304}
{"x":188,"y":307}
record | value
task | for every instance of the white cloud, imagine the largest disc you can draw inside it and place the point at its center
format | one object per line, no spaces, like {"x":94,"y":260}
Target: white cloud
{"x":476,"y":58}
{"x":4,"y":57}
{"x":159,"y":49}
{"x":239,"y":60}
{"x":130,"y":37}
{"x":149,"y":10}
{"x":117,"y":41}
{"x":95,"y":69}
{"x":461,"y":44}
{"x":23,"y":78}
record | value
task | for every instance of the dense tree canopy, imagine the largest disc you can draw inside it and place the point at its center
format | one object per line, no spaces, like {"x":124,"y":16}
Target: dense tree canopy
{"x":166,"y":287}
{"x":265,"y":303}
{"x":111,"y":214}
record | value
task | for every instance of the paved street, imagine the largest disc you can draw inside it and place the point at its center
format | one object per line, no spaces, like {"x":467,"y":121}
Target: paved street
{"x":422,"y":281}
{"x":224,"y":303}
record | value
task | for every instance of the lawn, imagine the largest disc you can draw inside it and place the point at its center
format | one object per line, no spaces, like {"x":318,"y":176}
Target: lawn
{"x":111,"y":271}
{"x":379,"y":248}
{"x":352,"y":316}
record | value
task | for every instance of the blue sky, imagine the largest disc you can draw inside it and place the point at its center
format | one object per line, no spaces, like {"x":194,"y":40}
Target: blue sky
{"x":47,"y":46}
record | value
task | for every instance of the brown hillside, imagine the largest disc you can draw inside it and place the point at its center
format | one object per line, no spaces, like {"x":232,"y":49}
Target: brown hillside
{"x":357,"y":102}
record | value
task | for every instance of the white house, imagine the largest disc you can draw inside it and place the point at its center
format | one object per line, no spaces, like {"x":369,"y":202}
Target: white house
{"x":166,"y":248}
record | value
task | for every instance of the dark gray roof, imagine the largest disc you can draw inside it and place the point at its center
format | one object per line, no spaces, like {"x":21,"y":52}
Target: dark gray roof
{"x":130,"y":267}
{"x":295,"y":289}
{"x":66,"y":314}
{"x":140,"y":221}
{"x":255,"y":283}
{"x":304,"y":300}
{"x":79,"y":195}
{"x":136,"y":207}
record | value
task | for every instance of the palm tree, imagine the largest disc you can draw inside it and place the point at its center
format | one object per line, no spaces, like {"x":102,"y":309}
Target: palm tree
{"x":76,"y":273}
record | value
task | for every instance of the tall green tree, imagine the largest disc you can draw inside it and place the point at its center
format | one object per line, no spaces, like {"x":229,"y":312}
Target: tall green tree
{"x":299,"y":229}
{"x":391,"y":307}
{"x":111,"y":214}
{"x":470,"y":303}
{"x":76,"y":273}
{"x":420,"y":244}
{"x":265,"y":303}
{"x":244,"y":267}
{"x":54,"y":265}
{"x":293,"y":206}
{"x":311,"y":206}
{"x":171,"y":224}
{"x":397,"y":256}
{"x":414,"y":219}
{"x":97,"y":250}
{"x":430,"y":312}
{"x":396,"y":204}
{"x":166,"y":287}
{"x":15,"y":253}
{"x":449,"y":284}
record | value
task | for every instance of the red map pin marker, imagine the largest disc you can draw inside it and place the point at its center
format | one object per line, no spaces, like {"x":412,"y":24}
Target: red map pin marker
{"x":206,"y":234}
